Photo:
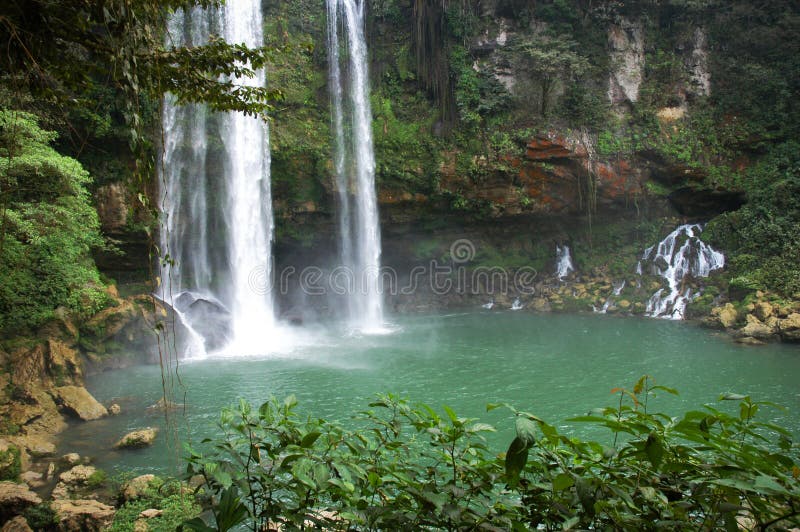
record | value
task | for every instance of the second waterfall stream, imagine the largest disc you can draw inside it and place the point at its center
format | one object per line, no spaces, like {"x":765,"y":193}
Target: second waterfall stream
{"x":354,"y":163}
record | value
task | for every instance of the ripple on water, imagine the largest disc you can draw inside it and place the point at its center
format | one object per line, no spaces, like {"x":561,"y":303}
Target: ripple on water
{"x":555,"y":366}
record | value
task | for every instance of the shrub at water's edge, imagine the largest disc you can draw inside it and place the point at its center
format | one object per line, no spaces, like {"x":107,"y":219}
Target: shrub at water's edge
{"x":405,"y":466}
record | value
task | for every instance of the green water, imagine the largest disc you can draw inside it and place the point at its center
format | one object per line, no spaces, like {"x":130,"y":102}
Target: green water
{"x":555,"y":366}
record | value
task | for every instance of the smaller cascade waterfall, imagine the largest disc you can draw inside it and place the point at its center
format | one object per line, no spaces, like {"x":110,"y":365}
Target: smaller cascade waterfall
{"x":618,"y":288}
{"x":517,"y":305}
{"x":354,"y":163}
{"x":563,"y":262}
{"x":681,"y":256}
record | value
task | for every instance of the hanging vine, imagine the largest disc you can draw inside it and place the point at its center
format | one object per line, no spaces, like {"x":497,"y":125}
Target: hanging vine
{"x":435,"y":22}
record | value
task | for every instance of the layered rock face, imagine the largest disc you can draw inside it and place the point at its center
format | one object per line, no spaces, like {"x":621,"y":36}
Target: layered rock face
{"x":626,"y":50}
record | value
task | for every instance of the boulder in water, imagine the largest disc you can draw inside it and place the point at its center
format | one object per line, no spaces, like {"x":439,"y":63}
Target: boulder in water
{"x":137,"y":439}
{"x":790,"y":328}
{"x":207,"y":317}
{"x":749,"y":340}
{"x":726,"y":315}
{"x":756,"y":329}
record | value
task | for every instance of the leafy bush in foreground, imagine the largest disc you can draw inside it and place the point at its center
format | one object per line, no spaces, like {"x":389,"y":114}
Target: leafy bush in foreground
{"x":406,"y":466}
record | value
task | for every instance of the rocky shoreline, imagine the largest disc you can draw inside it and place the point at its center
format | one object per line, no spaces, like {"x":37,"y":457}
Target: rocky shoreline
{"x":42,"y":391}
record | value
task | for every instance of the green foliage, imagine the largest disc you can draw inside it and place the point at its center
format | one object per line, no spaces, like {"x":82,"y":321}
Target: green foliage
{"x":402,"y":149}
{"x":404,"y":467}
{"x":550,"y":59}
{"x":60,"y":49}
{"x":49,"y":228}
{"x":41,"y":516}
{"x":583,"y":104}
{"x":409,"y":467}
{"x":757,"y":77}
{"x":763,"y":237}
{"x":665,"y":73}
{"x":96,"y":479}
{"x":177,"y":506}
{"x":698,"y":470}
{"x":479,"y":96}
{"x":10,"y":464}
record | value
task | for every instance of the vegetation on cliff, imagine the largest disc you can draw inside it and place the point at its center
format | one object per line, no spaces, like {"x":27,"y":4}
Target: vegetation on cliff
{"x":49,"y":228}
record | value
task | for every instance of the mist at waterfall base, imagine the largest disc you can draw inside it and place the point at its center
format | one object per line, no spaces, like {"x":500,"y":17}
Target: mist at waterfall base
{"x":555,"y":366}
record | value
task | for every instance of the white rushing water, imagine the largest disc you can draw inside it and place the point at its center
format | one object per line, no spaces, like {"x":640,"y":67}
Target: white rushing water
{"x":678,"y":258}
{"x":249,"y":200}
{"x":217,"y":229}
{"x":564,"y":264}
{"x":354,"y":162}
{"x":617,"y":290}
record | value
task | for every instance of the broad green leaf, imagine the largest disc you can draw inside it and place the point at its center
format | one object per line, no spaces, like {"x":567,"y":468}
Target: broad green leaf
{"x":197,"y":525}
{"x":667,"y":389}
{"x":563,"y":481}
{"x":654,"y":448}
{"x":769,"y":484}
{"x":481,"y":427}
{"x":729,"y":507}
{"x":290,"y":402}
{"x":309,"y":439}
{"x":229,"y":511}
{"x":526,"y":430}
{"x":640,"y":384}
{"x":493,"y":406}
{"x":516,"y":458}
{"x":570,"y":523}
{"x":747,"y":410}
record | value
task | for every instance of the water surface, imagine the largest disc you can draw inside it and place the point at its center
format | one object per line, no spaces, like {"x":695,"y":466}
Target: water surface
{"x":555,"y":366}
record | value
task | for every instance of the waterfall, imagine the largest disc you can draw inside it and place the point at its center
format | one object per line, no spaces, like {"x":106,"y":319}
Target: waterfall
{"x":617,"y":290}
{"x":563,"y":262}
{"x":354,"y":163}
{"x":217,"y":222}
{"x":248,"y":209}
{"x":676,"y":263}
